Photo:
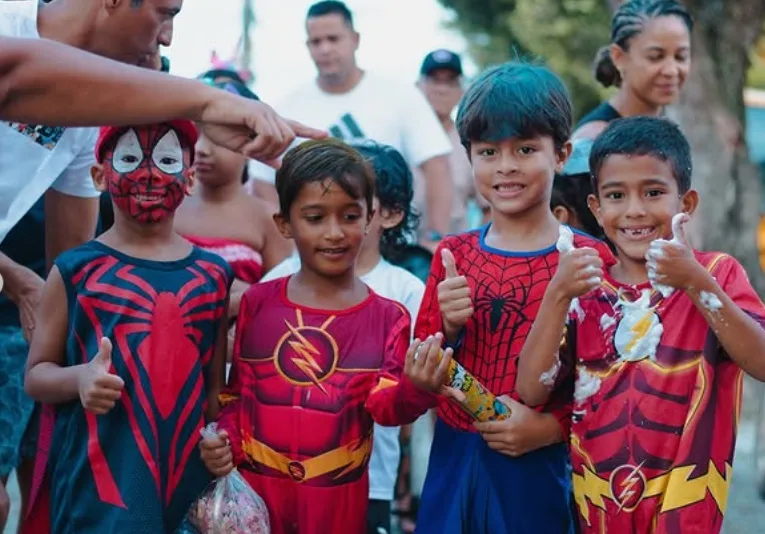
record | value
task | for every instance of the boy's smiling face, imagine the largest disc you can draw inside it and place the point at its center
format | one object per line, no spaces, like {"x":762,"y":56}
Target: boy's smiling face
{"x":637,"y":196}
{"x":515,"y":175}
{"x":328,"y":226}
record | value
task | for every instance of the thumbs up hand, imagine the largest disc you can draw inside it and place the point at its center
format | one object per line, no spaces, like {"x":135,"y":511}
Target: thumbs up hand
{"x":580,"y":270}
{"x":99,"y":388}
{"x":454,"y":297}
{"x":672,"y":263}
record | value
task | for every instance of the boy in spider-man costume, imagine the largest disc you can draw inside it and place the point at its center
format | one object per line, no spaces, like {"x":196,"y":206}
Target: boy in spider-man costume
{"x":130,"y":347}
{"x":318,"y":357}
{"x":483,"y":293}
{"x":659,"y":348}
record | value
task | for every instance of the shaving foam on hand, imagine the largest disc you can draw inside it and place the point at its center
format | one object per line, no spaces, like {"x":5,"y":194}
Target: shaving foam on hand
{"x":565,"y":244}
{"x":656,"y":250}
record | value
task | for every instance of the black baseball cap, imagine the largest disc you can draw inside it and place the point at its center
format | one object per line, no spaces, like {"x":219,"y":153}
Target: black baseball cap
{"x":441,"y":59}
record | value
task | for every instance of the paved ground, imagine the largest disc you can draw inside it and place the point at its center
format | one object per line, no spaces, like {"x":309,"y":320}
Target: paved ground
{"x":746,"y":512}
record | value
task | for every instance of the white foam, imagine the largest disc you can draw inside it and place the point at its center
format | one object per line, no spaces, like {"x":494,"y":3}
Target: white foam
{"x":565,"y":241}
{"x":639,"y":332}
{"x":656,"y":251}
{"x":710,"y":301}
{"x":606,"y":322}
{"x":548,"y":377}
{"x":586,"y":385}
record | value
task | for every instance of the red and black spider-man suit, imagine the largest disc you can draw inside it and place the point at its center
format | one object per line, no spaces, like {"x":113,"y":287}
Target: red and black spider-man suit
{"x":305,"y":388}
{"x":137,"y":468}
{"x":652,"y":448}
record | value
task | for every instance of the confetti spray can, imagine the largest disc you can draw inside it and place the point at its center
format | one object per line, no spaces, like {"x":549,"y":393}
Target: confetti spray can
{"x":479,"y":401}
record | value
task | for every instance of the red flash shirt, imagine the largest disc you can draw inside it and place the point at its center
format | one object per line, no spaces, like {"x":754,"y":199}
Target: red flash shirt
{"x":305,"y":388}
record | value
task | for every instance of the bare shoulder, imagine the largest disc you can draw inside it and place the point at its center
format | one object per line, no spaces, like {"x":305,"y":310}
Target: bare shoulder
{"x":590,"y":130}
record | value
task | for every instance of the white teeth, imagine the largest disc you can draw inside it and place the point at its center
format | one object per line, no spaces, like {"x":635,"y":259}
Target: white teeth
{"x":638,"y":231}
{"x":511,"y":187}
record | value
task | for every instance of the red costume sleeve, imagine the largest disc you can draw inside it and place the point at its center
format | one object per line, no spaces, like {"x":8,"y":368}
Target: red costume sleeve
{"x":228,"y":418}
{"x":394,"y":400}
{"x":735,"y":282}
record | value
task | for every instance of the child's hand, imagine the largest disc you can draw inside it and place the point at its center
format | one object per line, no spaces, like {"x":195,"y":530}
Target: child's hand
{"x":427,"y":367}
{"x":216,"y":454}
{"x":524,"y":431}
{"x":99,"y":389}
{"x":454,"y":297}
{"x":673,"y":263}
{"x":579,"y":271}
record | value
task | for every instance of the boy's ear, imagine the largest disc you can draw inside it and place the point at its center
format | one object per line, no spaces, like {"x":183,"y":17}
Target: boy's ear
{"x":562,"y":214}
{"x":593,"y":202}
{"x":98,"y":176}
{"x":563,"y":154}
{"x":390,"y":218}
{"x":285,"y":229}
{"x":190,"y":181}
{"x":690,"y":201}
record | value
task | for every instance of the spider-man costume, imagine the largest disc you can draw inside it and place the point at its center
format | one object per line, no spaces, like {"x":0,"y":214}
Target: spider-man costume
{"x":305,"y":388}
{"x":652,"y":448}
{"x":470,"y":488}
{"x":136,"y":469}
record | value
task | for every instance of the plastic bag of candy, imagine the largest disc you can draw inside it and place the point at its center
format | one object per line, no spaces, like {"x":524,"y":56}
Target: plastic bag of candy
{"x":229,"y":505}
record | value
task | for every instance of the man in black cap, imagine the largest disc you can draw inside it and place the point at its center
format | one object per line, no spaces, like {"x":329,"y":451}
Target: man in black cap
{"x":441,"y":80}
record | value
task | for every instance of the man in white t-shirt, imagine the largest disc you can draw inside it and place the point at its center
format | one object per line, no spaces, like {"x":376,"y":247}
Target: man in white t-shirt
{"x":442,"y":84}
{"x":38,"y":160}
{"x":355,"y":105}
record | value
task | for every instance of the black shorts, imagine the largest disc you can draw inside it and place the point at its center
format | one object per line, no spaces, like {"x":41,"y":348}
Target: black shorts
{"x":378,"y":517}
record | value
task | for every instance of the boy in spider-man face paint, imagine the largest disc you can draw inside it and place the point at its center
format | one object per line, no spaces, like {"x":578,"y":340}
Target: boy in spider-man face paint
{"x":146,"y":170}
{"x":130,"y":346}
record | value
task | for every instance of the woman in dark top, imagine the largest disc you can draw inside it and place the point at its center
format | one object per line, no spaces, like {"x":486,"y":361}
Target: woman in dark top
{"x":648,"y":60}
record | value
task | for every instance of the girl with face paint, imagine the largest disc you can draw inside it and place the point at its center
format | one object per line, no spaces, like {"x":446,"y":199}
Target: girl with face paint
{"x":130,"y":346}
{"x":222,"y":218}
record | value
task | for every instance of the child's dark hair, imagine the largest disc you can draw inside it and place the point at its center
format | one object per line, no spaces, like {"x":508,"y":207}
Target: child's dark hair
{"x":331,"y":7}
{"x":319,"y":161}
{"x":515,"y":99}
{"x":628,"y":21}
{"x":644,"y":136}
{"x":572,"y":186}
{"x":394,"y":189}
{"x":571,"y":192}
{"x":230,"y":81}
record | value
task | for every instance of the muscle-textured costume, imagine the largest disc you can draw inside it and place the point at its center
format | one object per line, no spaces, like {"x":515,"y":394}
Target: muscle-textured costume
{"x":305,"y":388}
{"x":138,"y":468}
{"x":652,"y":447}
{"x":246,"y":262}
{"x":470,"y":488}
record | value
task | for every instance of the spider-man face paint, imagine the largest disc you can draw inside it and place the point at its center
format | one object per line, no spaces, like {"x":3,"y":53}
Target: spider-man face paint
{"x":146,"y":172}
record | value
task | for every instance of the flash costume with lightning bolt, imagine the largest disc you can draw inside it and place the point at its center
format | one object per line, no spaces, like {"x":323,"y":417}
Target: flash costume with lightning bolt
{"x":306,"y":386}
{"x":652,"y":447}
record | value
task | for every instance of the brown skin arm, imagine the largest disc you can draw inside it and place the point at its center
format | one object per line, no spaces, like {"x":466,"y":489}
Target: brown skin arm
{"x":216,"y":376}
{"x":53,"y":84}
{"x":47,"y":380}
{"x":24,"y":288}
{"x":69,"y":222}
{"x":541,"y":348}
{"x":741,"y":336}
{"x":439,"y":190}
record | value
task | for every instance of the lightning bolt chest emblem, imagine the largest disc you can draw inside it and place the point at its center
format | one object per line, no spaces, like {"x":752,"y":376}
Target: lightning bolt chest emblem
{"x":628,"y":486}
{"x":306,"y":355}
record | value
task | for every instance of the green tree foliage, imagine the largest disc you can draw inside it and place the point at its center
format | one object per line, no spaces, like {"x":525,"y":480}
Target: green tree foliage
{"x":565,"y":34}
